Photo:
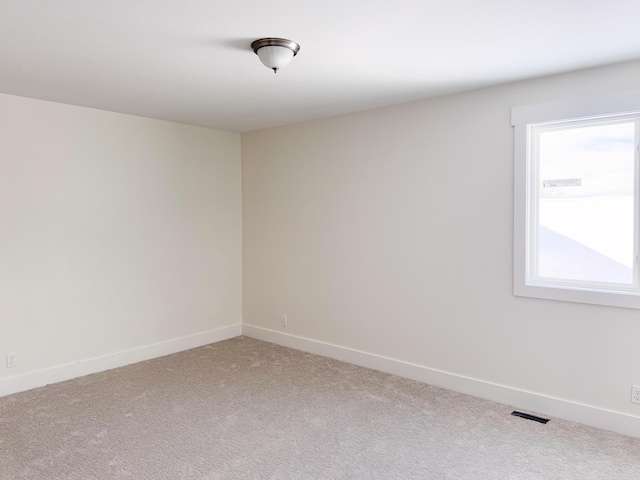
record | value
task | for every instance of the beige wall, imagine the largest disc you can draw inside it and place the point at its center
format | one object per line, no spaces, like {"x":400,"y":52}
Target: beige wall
{"x":116,"y":232}
{"x":390,"y":232}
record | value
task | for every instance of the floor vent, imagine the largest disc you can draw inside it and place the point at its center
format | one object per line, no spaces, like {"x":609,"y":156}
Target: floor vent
{"x":529,"y":417}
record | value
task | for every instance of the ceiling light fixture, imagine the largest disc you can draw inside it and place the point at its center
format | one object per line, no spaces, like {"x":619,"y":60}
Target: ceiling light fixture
{"x":275,"y":53}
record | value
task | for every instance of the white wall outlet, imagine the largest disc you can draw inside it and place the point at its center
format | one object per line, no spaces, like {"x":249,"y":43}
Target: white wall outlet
{"x":12,"y":361}
{"x":635,"y":393}
{"x":283,"y":320}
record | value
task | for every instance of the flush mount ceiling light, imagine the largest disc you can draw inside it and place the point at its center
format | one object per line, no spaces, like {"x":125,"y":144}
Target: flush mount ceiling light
{"x":275,"y":53}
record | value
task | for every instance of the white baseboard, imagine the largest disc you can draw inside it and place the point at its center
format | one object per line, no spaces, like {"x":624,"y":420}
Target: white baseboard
{"x":60,"y":373}
{"x":520,"y":399}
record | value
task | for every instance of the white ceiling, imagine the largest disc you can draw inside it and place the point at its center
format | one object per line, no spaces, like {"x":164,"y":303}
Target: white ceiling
{"x":190,"y":60}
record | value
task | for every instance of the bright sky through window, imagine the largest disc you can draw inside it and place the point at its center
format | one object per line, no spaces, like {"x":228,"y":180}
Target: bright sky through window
{"x":585,"y":225}
{"x":577,"y":200}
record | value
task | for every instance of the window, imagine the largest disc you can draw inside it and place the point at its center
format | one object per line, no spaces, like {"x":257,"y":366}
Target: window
{"x":577,"y":207}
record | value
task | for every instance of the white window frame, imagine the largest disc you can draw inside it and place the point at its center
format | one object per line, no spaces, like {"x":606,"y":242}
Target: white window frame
{"x":521,"y":119}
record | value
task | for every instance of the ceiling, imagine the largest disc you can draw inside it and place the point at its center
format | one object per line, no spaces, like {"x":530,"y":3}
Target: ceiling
{"x":190,"y":60}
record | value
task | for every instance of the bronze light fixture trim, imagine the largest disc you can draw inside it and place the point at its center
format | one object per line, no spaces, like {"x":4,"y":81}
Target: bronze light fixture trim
{"x":275,"y":53}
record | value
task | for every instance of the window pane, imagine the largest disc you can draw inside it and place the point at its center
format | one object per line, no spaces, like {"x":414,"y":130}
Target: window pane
{"x":585,"y":229}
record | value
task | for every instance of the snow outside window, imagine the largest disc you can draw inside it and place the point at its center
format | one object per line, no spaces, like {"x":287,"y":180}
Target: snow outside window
{"x":577,"y":209}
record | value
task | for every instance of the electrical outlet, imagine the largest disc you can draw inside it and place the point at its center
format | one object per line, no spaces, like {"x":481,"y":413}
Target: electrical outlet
{"x":283,"y":320}
{"x":635,"y":393}
{"x":11,"y":360}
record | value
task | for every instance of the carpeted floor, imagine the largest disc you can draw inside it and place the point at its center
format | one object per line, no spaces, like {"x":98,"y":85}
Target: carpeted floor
{"x":245,"y":409}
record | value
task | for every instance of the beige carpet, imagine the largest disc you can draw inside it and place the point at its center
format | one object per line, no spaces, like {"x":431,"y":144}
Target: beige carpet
{"x":245,"y":409}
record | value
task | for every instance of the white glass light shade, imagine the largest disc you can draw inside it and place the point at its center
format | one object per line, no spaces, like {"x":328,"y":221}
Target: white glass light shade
{"x":275,"y":57}
{"x":275,"y":53}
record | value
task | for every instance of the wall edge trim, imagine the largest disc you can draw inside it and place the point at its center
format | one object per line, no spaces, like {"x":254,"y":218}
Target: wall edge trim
{"x":60,"y":373}
{"x":589,"y":415}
